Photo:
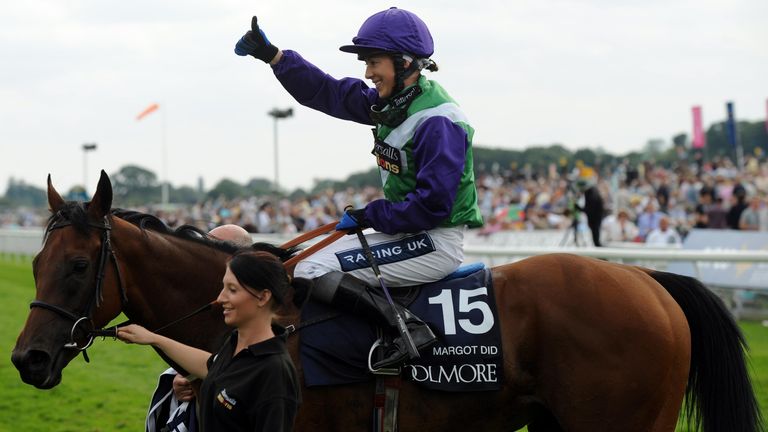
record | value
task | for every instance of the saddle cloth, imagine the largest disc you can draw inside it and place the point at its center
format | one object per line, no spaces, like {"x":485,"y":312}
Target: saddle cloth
{"x":461,"y":310}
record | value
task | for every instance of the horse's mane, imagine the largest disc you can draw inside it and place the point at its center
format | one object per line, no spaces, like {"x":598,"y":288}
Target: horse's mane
{"x":73,"y":212}
{"x":76,"y":213}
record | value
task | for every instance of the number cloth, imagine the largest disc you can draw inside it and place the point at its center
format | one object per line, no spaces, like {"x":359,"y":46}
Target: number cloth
{"x":463,"y":313}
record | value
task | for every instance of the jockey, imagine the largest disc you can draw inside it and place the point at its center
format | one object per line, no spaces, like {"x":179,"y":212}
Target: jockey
{"x":423,"y":147}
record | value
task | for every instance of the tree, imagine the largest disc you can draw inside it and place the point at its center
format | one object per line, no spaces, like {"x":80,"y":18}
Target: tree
{"x":20,"y":194}
{"x":259,"y":186}
{"x":586,"y":155}
{"x":323,"y":184}
{"x":365,"y":178}
{"x":77,"y":193}
{"x":184,"y":195}
{"x":133,"y":185}
{"x":653,"y":148}
{"x":227,"y":188}
{"x":680,"y":140}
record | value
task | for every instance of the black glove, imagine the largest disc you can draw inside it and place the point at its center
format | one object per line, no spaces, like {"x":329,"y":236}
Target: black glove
{"x":255,"y":43}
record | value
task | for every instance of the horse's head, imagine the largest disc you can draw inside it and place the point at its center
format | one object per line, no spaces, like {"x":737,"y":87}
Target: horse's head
{"x":73,"y":274}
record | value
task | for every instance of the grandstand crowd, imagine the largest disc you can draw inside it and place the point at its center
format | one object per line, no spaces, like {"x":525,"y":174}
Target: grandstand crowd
{"x":637,"y":201}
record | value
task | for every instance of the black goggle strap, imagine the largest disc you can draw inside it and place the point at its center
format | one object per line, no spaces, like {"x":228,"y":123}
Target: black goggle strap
{"x":395,"y":110}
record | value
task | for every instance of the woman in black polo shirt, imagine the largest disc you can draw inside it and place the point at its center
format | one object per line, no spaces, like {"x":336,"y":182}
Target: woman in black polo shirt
{"x":250,"y":384}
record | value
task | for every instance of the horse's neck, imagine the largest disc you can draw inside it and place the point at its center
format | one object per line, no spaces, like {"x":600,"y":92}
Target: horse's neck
{"x":167,"y":278}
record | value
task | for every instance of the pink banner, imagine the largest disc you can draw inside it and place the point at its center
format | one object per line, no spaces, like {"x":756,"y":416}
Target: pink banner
{"x":699,"y":138}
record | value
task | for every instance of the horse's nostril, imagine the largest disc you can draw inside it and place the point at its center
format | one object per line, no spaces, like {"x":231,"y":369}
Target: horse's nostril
{"x":38,"y":359}
{"x":32,"y":360}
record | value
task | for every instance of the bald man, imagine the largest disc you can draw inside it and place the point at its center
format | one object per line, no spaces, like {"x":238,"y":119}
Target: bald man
{"x":174,"y":410}
{"x":233,"y":234}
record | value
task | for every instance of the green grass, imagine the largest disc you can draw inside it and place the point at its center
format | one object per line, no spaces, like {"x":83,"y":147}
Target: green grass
{"x":112,"y":392}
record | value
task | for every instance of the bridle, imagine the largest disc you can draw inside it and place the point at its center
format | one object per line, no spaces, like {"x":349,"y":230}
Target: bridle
{"x":86,"y":317}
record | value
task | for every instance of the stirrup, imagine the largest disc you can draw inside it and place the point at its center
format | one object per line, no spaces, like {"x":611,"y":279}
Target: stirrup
{"x":381,"y":371}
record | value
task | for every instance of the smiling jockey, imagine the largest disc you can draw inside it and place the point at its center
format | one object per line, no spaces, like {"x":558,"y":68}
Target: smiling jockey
{"x":423,"y":147}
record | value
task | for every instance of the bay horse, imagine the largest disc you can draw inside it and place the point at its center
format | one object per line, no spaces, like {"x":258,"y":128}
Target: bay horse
{"x":588,"y":345}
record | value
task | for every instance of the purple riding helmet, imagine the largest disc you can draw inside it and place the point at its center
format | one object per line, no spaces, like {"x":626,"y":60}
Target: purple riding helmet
{"x":393,"y":30}
{"x":397,"y":33}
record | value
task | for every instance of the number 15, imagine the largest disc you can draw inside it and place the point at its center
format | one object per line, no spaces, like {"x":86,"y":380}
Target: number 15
{"x":445,"y":299}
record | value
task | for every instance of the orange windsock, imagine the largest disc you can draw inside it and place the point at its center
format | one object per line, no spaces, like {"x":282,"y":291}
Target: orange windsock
{"x":147,"y":111}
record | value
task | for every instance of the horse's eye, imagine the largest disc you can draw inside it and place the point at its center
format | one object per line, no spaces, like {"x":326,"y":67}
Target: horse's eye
{"x":80,"y":266}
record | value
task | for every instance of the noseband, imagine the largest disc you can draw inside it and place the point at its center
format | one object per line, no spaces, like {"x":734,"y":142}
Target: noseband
{"x":86,"y":318}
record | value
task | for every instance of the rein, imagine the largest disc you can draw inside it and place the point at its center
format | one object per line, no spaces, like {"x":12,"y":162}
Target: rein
{"x":291,"y":262}
{"x":112,"y":331}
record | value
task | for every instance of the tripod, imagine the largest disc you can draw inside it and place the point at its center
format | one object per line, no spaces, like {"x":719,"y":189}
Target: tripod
{"x":574,"y":227}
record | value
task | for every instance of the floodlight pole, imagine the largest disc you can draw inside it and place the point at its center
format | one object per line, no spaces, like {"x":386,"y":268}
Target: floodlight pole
{"x":277,"y":114}
{"x":86,"y":148}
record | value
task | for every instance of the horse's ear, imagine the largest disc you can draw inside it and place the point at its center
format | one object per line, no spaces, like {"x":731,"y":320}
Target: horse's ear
{"x":102,"y":198}
{"x":55,"y":201}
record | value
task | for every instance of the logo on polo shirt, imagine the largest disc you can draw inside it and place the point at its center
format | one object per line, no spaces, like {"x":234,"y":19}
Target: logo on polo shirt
{"x":225,"y":400}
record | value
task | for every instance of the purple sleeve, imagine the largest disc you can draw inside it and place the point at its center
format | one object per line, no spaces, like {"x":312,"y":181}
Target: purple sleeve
{"x":439,"y":149}
{"x":347,"y":98}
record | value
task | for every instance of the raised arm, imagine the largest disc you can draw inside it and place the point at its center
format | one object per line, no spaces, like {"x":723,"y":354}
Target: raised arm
{"x":347,"y":98}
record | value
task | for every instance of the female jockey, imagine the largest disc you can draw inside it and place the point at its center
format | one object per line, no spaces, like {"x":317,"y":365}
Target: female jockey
{"x":423,"y":147}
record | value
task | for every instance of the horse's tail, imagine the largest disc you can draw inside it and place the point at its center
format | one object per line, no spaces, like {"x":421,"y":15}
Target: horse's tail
{"x":719,"y":394}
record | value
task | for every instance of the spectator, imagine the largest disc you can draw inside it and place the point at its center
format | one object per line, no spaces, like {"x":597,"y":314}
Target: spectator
{"x":716,"y":215}
{"x":750,"y":218}
{"x":664,"y":235}
{"x":649,"y":219}
{"x":265,"y":218}
{"x":620,"y":228}
{"x":739,"y":204}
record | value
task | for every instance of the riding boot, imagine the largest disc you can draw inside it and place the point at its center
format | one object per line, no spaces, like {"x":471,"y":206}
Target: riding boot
{"x":351,"y":294}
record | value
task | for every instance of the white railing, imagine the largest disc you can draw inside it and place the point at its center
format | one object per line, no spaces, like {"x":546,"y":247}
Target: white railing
{"x":493,"y":253}
{"x":28,"y":242}
{"x":21,"y":241}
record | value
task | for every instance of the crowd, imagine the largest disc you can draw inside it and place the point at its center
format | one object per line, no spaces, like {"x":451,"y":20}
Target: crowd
{"x":637,"y":201}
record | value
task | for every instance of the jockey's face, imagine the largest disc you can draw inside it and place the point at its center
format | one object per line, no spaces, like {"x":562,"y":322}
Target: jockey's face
{"x":381,"y":70}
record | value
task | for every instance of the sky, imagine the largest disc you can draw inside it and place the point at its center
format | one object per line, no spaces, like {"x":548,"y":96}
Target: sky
{"x":583,"y":73}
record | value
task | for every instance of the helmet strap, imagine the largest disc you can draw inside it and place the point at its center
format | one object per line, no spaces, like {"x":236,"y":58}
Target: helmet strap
{"x":401,"y":72}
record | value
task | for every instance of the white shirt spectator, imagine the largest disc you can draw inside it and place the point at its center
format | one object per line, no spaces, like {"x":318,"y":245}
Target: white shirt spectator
{"x":619,"y":228}
{"x":663,"y":237}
